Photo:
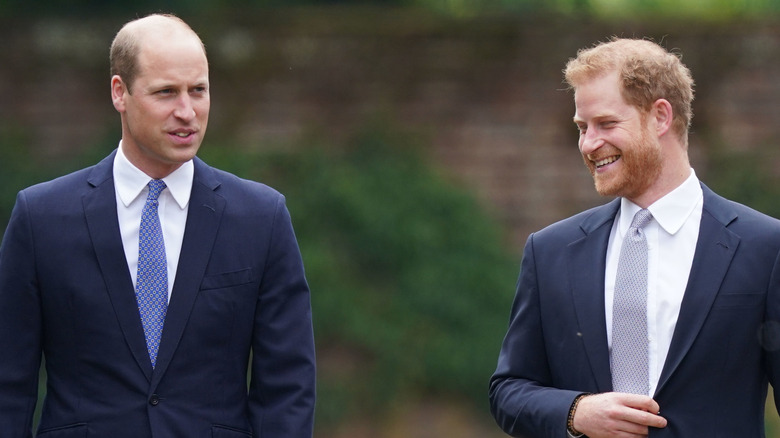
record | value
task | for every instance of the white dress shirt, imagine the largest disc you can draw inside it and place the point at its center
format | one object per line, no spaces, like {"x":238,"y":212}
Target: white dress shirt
{"x":131,"y":192}
{"x":671,"y":241}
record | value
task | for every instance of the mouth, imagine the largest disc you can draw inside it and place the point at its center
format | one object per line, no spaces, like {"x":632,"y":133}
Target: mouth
{"x":183,"y":134}
{"x":605,"y":161}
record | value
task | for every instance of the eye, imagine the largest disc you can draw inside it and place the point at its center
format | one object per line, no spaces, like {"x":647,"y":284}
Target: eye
{"x":199,"y":87}
{"x":609,"y":123}
{"x":582,"y":128}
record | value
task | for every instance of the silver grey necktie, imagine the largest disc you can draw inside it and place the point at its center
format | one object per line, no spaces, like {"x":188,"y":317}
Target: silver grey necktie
{"x":628,"y":357}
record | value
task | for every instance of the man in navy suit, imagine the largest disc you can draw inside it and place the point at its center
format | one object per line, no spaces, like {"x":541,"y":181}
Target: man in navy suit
{"x":235,"y":302}
{"x":707,"y":326}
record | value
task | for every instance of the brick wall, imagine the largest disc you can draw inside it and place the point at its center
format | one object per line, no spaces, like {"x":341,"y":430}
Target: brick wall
{"x":485,"y":94}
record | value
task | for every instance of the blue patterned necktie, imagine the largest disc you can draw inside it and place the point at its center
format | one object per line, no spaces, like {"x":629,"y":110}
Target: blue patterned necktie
{"x":629,"y":355}
{"x":152,"y":282}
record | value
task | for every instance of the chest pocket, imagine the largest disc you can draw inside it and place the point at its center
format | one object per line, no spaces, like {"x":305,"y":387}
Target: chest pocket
{"x":228,"y":279}
{"x":734,"y":301}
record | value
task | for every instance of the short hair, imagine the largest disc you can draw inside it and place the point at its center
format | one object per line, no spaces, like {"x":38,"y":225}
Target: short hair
{"x":125,"y":48}
{"x":647,"y":72}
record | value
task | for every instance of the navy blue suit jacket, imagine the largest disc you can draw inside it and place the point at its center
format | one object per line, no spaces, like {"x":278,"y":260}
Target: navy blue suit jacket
{"x":66,"y":292}
{"x":723,"y":351}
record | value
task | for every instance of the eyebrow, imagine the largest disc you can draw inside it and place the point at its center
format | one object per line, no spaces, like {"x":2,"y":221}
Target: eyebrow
{"x":599,"y":117}
{"x":165,"y":84}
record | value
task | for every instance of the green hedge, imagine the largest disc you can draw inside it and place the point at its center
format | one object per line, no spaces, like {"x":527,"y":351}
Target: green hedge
{"x":411,"y":281}
{"x":604,"y":9}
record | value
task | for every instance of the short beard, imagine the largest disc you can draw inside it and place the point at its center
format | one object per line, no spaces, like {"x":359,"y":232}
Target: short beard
{"x":642,"y":163}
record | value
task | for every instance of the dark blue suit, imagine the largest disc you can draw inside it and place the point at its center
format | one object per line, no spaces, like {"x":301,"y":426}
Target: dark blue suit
{"x":66,"y":291}
{"x":714,"y":381}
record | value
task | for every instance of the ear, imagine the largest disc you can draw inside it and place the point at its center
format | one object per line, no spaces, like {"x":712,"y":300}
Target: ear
{"x":119,"y":93}
{"x":663,"y":115}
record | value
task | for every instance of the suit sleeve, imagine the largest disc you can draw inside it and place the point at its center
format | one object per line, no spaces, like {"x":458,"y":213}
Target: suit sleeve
{"x":522,"y":399}
{"x":20,"y":326}
{"x":282,"y":388}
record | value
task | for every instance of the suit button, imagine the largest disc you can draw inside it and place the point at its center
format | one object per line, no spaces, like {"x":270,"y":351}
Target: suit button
{"x":154,"y":400}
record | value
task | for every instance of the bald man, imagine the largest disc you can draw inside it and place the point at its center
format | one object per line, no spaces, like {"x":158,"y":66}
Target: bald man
{"x":167,"y":297}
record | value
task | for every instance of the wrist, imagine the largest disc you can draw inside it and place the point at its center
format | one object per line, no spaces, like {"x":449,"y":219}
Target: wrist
{"x":570,"y":420}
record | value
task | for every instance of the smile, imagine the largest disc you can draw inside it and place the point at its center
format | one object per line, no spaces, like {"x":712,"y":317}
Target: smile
{"x":604,"y":161}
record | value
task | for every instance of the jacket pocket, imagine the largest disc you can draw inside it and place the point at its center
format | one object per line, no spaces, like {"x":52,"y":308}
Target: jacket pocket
{"x":227,"y":279}
{"x":70,"y":431}
{"x":229,"y":432}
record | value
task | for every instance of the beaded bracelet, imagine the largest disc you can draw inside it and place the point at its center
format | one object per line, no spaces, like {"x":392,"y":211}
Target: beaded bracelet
{"x":570,"y":421}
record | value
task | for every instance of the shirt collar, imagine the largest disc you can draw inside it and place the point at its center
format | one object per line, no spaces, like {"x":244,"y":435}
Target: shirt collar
{"x":671,"y":211}
{"x":130,"y":181}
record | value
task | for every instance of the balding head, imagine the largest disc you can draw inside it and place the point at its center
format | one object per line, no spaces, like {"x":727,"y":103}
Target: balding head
{"x":129,"y":41}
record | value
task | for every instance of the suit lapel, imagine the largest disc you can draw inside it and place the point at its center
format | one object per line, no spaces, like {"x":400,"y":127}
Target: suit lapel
{"x":100,"y":212}
{"x":587,"y":260}
{"x":203,"y":217}
{"x":715,"y":249}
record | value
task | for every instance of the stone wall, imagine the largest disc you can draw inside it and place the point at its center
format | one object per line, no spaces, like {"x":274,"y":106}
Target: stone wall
{"x":485,"y":93}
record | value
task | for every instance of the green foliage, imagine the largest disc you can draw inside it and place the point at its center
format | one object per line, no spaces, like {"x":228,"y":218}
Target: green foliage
{"x":708,"y":9}
{"x":411,"y":283}
{"x":21,"y":166}
{"x":748,"y":177}
{"x":621,"y":9}
{"x":16,"y":168}
{"x":772,"y":423}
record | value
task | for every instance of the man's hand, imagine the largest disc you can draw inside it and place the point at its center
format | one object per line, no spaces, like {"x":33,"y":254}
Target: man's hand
{"x":616,"y":414}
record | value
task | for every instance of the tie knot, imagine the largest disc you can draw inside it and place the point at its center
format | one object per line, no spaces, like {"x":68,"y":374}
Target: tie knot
{"x":641,"y":218}
{"x":156,"y":186}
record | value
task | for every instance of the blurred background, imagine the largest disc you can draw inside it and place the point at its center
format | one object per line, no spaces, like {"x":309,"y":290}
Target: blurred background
{"x":418,"y":142}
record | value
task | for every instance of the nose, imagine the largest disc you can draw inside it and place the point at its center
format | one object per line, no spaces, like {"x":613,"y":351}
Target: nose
{"x":184,"y":109}
{"x":590,"y":141}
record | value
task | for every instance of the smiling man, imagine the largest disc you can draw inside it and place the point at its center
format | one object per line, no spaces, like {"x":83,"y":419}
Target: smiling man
{"x":655,"y":314}
{"x":152,"y":283}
